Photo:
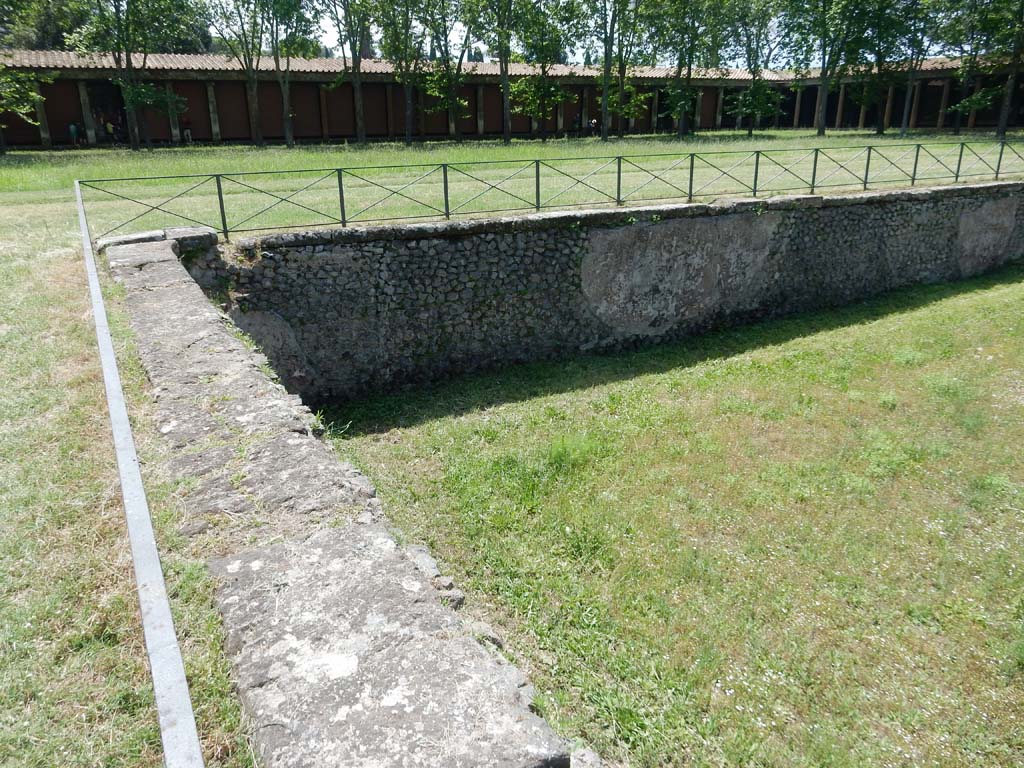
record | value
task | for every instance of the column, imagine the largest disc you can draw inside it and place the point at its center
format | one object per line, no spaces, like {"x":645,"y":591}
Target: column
{"x":972,"y":117}
{"x":560,"y":118}
{"x":585,"y":120}
{"x":654,"y":110}
{"x":916,"y":104}
{"x":533,"y":126}
{"x":822,"y":93}
{"x":796,"y":107}
{"x":839,"y":106}
{"x":887,"y":120}
{"x":944,"y":104}
{"x":421,"y":115}
{"x":862,"y":118}
{"x":44,"y":124}
{"x":480,"y":110}
{"x":211,"y":99}
{"x":172,"y":116}
{"x":719,"y":106}
{"x":87,"y":118}
{"x":325,"y":128}
{"x":696,"y":108}
{"x":389,"y":96}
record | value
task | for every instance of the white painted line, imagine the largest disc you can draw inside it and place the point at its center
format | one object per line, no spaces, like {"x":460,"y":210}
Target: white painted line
{"x":173,"y":704}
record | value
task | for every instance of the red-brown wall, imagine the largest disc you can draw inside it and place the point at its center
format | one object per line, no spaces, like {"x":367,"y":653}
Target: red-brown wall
{"x":375,"y":109}
{"x":63,"y":107}
{"x":197,"y":109}
{"x":340,"y":120}
{"x":232,"y":110}
{"x":306,"y":110}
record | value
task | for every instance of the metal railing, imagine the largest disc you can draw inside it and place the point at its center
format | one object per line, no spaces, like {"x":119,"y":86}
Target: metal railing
{"x":287,"y":199}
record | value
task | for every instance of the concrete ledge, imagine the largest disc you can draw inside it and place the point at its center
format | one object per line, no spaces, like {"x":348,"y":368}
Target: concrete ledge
{"x":343,"y":649}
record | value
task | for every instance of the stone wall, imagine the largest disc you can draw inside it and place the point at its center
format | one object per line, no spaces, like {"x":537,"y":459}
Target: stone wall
{"x":343,"y":311}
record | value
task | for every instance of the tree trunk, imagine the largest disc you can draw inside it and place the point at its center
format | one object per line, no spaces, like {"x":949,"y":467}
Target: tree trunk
{"x":132,"y":118}
{"x":408,"y":113}
{"x":286,"y":112}
{"x":1011,"y":80}
{"x":506,"y":103}
{"x":357,"y":104}
{"x":606,"y":81}
{"x":253,"y":105}
{"x":621,"y":100}
{"x":822,"y":107}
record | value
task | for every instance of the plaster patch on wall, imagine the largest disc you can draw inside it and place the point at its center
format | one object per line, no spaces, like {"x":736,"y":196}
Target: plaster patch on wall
{"x":985,"y":233}
{"x":646,"y":279}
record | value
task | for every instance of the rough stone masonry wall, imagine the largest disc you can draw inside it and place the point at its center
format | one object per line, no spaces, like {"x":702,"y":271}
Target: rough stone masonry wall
{"x":348,"y":310}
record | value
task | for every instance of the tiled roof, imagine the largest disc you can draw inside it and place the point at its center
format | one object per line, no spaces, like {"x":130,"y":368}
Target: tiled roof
{"x":217,"y":63}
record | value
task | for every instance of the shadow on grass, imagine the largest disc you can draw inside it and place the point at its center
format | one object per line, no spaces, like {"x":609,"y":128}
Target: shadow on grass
{"x":408,"y":407}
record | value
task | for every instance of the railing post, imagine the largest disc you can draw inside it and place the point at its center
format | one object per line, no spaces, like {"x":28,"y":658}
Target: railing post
{"x":913,"y":172}
{"x":444,"y":183}
{"x":999,"y":160}
{"x":536,"y":183}
{"x":341,"y":195}
{"x":757,"y":168}
{"x":814,"y":170}
{"x":618,"y":180}
{"x":867,"y":168}
{"x":689,"y":189}
{"x":959,"y":162}
{"x":223,"y":214}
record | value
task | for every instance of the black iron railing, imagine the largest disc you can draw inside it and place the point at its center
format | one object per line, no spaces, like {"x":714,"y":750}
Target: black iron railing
{"x":286,"y":199}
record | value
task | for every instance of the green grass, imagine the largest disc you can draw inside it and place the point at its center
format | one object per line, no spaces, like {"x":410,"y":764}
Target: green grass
{"x":793,"y":544}
{"x":508,"y":181}
{"x":74,"y":684}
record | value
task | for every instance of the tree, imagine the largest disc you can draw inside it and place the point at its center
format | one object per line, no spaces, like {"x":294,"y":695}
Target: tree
{"x":914,"y":24}
{"x":880,"y":50}
{"x":42,"y":24}
{"x":401,"y":42}
{"x":496,"y":20}
{"x":241,"y":25}
{"x":821,"y":32}
{"x":605,"y":18}
{"x":19,"y":95}
{"x":689,"y":33}
{"x":967,"y":29}
{"x":757,"y":37}
{"x":547,"y":29}
{"x":1010,"y":41}
{"x":445,"y":23}
{"x":631,"y":41}
{"x":289,"y":32}
{"x":130,"y":30}
{"x":352,"y":20}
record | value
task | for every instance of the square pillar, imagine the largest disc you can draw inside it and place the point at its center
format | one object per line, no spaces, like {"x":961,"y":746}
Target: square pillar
{"x":479,"y":110}
{"x":389,"y":108}
{"x":719,"y":106}
{"x":44,"y":124}
{"x":87,"y":118}
{"x":172,"y":116}
{"x":421,"y":113}
{"x":916,"y":104}
{"x":585,"y":121}
{"x":972,"y":117}
{"x":796,"y":107}
{"x":325,"y":132}
{"x":560,"y":118}
{"x":944,"y":104}
{"x":211,"y":99}
{"x":697,"y":108}
{"x":887,"y":120}
{"x":839,"y":106}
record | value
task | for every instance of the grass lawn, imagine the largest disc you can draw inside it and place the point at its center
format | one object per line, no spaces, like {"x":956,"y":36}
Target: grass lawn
{"x":793,"y":544}
{"x":574,"y":172}
{"x":74,"y":684}
{"x":637,"y":487}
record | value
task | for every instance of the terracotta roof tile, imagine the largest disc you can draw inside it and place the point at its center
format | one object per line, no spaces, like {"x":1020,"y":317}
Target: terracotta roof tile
{"x":217,"y":63}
